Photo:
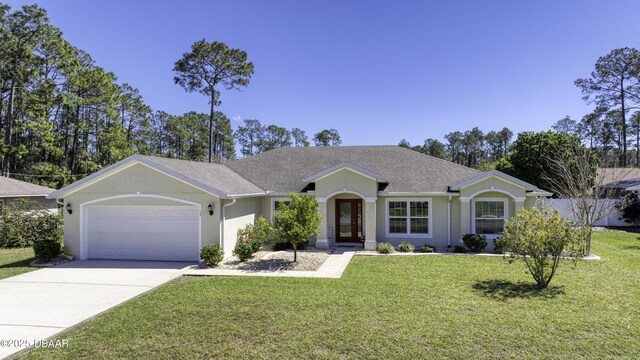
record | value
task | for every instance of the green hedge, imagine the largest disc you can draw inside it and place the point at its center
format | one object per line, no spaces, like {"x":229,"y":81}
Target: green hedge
{"x":24,"y":222}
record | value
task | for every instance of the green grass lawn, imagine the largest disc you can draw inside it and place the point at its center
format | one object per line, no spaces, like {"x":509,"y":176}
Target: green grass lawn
{"x":15,"y":261}
{"x":384,"y":307}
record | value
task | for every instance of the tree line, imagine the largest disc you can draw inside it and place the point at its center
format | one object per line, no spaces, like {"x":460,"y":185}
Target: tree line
{"x":62,"y":116}
{"x":611,"y":130}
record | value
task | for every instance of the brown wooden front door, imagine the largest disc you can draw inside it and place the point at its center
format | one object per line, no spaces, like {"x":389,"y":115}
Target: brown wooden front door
{"x":349,"y":220}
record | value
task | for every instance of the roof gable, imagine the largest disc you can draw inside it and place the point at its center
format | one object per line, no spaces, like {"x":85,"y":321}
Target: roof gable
{"x":345,"y":166}
{"x":496,"y":174}
{"x":180,"y":170}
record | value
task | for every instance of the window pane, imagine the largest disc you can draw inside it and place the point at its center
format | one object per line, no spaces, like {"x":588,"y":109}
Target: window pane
{"x":489,"y":226}
{"x":419,"y":208}
{"x":490,"y":209}
{"x":397,"y":226}
{"x":419,"y":226}
{"x":278,"y":203}
{"x":397,"y":208}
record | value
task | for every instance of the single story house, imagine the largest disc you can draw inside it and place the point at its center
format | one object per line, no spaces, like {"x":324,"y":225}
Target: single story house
{"x":12,"y":190}
{"x":154,"y":208}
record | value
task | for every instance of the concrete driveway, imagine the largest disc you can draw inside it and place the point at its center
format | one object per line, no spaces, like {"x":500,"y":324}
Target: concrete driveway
{"x":39,"y":304}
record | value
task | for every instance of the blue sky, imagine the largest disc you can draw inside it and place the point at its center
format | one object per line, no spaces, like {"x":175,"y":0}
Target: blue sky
{"x":378,"y":71}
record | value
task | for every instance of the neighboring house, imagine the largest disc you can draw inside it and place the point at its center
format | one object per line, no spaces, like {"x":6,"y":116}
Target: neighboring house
{"x":12,"y":189}
{"x":165,"y":209}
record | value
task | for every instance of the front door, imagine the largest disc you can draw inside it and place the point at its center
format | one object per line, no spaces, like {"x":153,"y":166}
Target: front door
{"x":349,"y":220}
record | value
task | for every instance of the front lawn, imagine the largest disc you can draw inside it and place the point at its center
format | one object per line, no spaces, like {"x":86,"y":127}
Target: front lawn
{"x":384,"y":307}
{"x":15,"y":261}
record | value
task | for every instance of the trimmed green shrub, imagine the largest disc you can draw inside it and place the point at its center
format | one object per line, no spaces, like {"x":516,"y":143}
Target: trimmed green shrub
{"x":498,"y":245}
{"x":211,"y":255}
{"x":243,"y":250}
{"x":46,"y":250}
{"x":459,"y":249}
{"x":384,"y":248}
{"x":23,"y":222}
{"x":426,"y":248}
{"x":475,"y":242}
{"x":405,"y":247}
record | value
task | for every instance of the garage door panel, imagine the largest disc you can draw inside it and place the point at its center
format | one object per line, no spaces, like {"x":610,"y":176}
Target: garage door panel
{"x":143,"y":233}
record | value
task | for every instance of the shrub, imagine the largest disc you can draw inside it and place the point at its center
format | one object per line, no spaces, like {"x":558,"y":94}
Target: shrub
{"x":426,"y":248}
{"x":243,"y":250}
{"x":24,"y":222}
{"x":211,"y":255}
{"x":459,"y":249}
{"x":542,"y":239}
{"x":475,"y":242}
{"x":46,"y":250}
{"x":384,"y":248}
{"x":251,"y":238}
{"x":405,"y":247}
{"x":498,"y":245}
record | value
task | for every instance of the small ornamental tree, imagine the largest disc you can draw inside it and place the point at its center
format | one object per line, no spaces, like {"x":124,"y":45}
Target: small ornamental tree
{"x":541,"y":239}
{"x":294,"y":222}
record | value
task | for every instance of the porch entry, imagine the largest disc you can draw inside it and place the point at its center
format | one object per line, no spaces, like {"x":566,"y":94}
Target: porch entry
{"x":349,"y":220}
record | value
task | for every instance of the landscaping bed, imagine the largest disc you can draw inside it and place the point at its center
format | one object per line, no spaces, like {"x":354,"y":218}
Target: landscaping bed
{"x":308,"y":260}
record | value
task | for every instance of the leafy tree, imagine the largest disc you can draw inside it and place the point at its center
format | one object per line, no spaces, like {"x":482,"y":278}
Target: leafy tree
{"x":615,"y":85}
{"x":454,"y":146}
{"x":541,"y":239}
{"x":209,"y":65}
{"x":435,"y":148}
{"x":297,"y":220}
{"x":249,"y":137}
{"x":329,"y":137}
{"x":529,"y":159}
{"x":274,"y":137}
{"x":299,"y":138}
{"x":566,"y":125}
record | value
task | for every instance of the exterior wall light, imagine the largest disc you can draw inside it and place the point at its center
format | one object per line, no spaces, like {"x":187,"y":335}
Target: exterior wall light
{"x":210,"y":207}
{"x":69,"y":210}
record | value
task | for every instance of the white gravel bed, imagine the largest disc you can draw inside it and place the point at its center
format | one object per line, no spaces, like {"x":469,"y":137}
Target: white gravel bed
{"x":308,"y":260}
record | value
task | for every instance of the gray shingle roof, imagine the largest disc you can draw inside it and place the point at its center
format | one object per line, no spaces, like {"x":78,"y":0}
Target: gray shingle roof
{"x":11,"y":187}
{"x":216,"y":176}
{"x":283,"y":170}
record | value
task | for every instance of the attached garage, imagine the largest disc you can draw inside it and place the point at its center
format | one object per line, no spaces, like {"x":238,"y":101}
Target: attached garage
{"x":168,"y":233}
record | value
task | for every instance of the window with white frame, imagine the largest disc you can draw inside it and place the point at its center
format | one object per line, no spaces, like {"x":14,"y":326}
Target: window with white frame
{"x":489,"y":216}
{"x":276,"y":203}
{"x":409,"y":217}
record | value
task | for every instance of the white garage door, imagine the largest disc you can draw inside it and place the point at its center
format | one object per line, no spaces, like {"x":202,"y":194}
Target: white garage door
{"x":143,"y":233}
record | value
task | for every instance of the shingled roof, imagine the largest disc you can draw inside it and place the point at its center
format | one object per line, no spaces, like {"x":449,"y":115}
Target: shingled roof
{"x":12,"y":187}
{"x":216,"y":176}
{"x":284,"y":170}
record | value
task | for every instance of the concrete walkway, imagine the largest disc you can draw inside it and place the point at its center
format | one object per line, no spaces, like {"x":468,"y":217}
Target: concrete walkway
{"x":332,"y":268}
{"x":40,"y":304}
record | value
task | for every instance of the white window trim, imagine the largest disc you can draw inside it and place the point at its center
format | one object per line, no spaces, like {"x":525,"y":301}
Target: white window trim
{"x":408,"y":235}
{"x":273,"y":204}
{"x":473,"y":214}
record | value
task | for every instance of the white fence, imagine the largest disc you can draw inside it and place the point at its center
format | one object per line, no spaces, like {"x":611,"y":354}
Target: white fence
{"x":562,"y":205}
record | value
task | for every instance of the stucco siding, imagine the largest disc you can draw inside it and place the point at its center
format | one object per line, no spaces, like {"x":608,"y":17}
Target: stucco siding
{"x":346,"y":180}
{"x":492,"y":183}
{"x":144,"y":180}
{"x":243,"y":212}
